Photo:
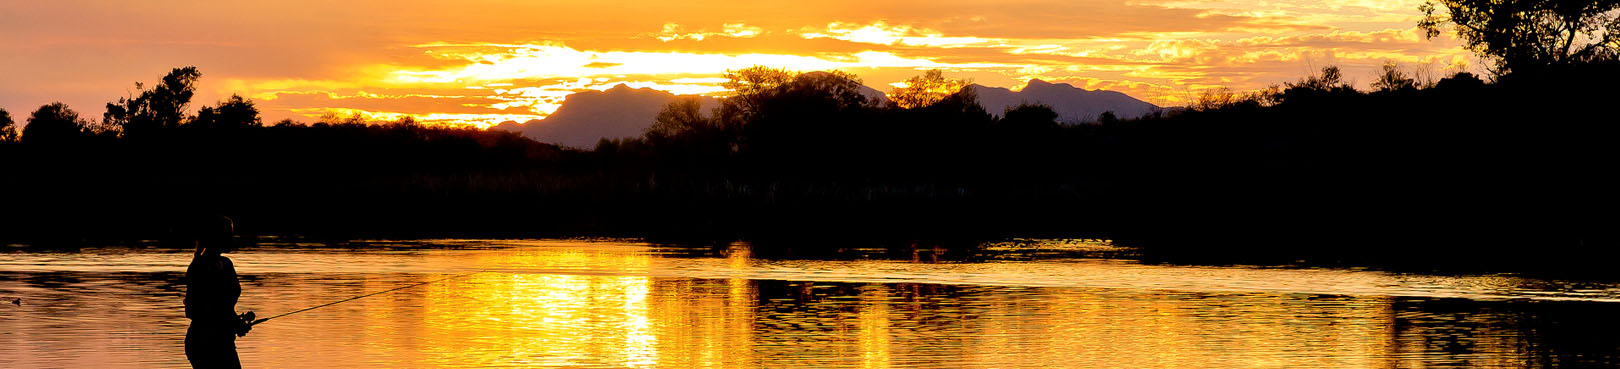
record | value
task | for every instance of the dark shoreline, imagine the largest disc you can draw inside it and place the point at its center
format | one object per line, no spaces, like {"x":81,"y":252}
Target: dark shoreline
{"x":933,"y":251}
{"x":1464,"y":174}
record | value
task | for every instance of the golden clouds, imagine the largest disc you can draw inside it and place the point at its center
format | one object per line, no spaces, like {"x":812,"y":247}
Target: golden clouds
{"x":673,"y":31}
{"x":497,"y":62}
{"x":480,"y":61}
{"x":884,"y":34}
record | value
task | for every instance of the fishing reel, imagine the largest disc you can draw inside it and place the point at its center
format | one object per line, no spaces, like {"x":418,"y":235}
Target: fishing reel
{"x":248,"y":320}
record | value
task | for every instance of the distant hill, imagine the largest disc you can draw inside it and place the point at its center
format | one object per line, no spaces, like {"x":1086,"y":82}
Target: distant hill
{"x":589,"y":116}
{"x":872,"y":93}
{"x":1073,"y":104}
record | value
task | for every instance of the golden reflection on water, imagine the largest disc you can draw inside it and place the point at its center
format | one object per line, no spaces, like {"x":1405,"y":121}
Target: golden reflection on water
{"x":587,"y":319}
{"x":611,"y":306}
{"x":874,"y":329}
{"x":547,"y":319}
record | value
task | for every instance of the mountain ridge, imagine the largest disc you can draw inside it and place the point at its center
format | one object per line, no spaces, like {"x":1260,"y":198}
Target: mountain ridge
{"x":586,"y":117}
{"x":1073,"y":104}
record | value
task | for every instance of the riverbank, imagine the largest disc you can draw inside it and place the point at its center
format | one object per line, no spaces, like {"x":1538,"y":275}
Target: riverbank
{"x":1461,"y":173}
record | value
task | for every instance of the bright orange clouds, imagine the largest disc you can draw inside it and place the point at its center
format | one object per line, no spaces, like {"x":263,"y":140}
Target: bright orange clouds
{"x":483,"y":62}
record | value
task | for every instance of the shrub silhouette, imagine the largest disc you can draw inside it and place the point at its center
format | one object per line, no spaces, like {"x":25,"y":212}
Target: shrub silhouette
{"x":54,"y":124}
{"x":682,"y":117}
{"x":8,"y":128}
{"x":1029,"y":117}
{"x":235,"y":113}
{"x":1392,"y":79}
{"x":926,"y":89}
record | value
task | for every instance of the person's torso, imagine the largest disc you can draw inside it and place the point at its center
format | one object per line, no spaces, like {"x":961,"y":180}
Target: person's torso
{"x":211,"y":288}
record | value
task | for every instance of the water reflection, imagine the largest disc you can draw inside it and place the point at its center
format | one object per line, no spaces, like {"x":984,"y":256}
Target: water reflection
{"x":626,"y":305}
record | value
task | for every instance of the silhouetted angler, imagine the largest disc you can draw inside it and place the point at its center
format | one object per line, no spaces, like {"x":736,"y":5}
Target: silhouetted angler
{"x":211,"y":293}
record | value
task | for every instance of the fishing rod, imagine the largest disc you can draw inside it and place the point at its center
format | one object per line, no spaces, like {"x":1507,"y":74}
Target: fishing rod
{"x":248,"y":316}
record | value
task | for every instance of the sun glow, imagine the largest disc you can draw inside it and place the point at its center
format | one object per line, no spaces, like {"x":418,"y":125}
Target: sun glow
{"x":495,"y":62}
{"x":488,"y":65}
{"x":884,"y":34}
{"x":673,"y":31}
{"x":480,"y":121}
{"x":530,"y":81}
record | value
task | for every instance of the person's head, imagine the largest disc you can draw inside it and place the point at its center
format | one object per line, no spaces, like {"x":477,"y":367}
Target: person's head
{"x":214,"y":234}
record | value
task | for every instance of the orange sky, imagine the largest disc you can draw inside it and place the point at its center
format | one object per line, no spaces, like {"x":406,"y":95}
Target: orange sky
{"x":488,"y":61}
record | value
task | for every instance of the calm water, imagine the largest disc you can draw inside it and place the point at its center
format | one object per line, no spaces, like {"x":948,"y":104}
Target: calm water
{"x":625,"y":304}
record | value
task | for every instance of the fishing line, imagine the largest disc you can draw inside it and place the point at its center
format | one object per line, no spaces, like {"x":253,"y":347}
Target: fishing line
{"x":363,"y":296}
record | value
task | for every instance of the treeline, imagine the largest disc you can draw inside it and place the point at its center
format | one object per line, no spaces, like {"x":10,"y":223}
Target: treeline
{"x":1462,"y":172}
{"x":1459,"y":169}
{"x":148,"y":164}
{"x":1313,"y":169}
{"x":791,"y":155}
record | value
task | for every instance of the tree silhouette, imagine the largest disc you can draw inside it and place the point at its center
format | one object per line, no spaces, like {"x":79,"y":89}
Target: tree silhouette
{"x":842,"y":89}
{"x":1393,"y":79}
{"x":235,"y":113}
{"x":8,"y":128}
{"x":684,"y":116}
{"x":1530,"y":35}
{"x":926,"y":89}
{"x":1215,"y":98}
{"x":792,"y":118}
{"x":162,"y":107}
{"x":1224,"y":98}
{"x":1461,"y":80}
{"x":1107,"y":117}
{"x":1029,"y":117}
{"x":1329,"y":80}
{"x":53,"y":123}
{"x":760,"y":90}
{"x":749,"y":86}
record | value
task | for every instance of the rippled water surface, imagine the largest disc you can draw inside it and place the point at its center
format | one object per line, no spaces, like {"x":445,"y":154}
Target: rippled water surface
{"x":627,"y":304}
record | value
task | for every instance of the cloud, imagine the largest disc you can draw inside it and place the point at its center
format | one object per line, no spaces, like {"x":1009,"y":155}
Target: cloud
{"x":739,"y":30}
{"x":884,"y":34}
{"x":673,"y":31}
{"x":418,"y":104}
{"x":495,"y":62}
{"x":486,"y":59}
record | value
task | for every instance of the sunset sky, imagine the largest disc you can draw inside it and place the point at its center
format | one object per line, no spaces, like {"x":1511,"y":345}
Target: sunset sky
{"x":488,"y":61}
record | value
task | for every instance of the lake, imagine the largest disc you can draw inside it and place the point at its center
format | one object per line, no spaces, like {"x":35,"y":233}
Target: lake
{"x":615,"y":304}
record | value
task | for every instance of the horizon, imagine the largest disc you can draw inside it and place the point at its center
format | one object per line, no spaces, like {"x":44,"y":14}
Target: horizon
{"x":485,"y":63}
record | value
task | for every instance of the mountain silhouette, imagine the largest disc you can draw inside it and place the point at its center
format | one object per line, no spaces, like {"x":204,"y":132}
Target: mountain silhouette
{"x":1073,"y":104}
{"x":589,"y":116}
{"x":619,"y":112}
{"x":872,"y":93}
